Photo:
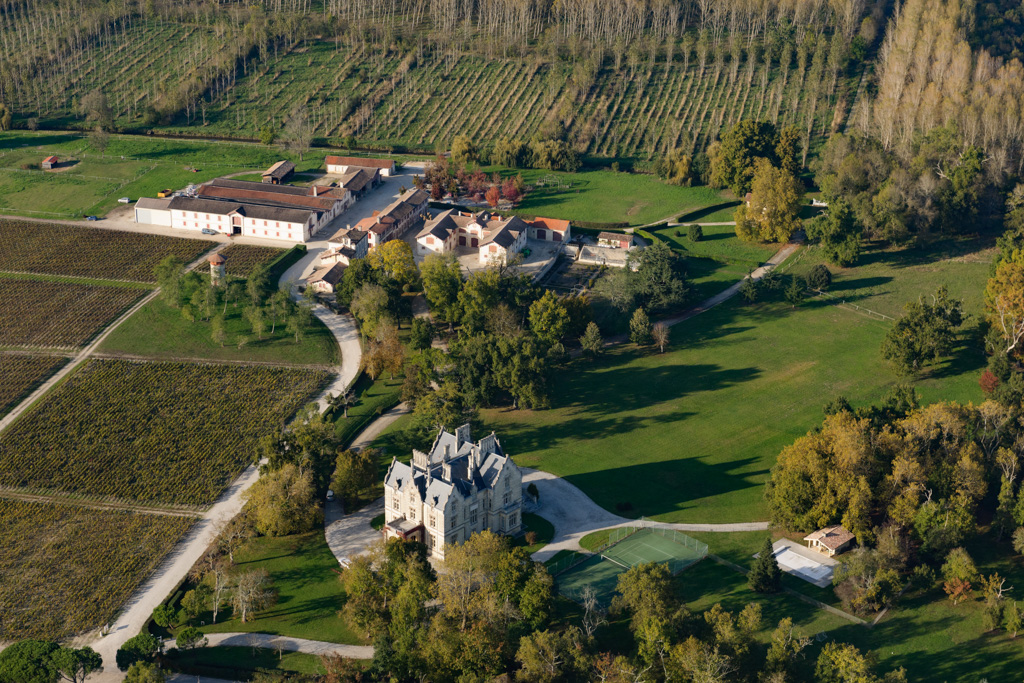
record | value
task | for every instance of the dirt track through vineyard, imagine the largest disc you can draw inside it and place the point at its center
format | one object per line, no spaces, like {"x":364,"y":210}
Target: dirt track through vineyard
{"x":95,"y":503}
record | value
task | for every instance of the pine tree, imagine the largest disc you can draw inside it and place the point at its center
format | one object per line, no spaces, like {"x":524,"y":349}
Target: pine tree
{"x":640,"y":328}
{"x":765,"y":576}
{"x":591,"y":340}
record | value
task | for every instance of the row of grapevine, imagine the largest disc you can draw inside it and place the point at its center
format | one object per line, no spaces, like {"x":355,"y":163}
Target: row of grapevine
{"x":20,"y":372}
{"x":152,"y":432}
{"x":45,"y":314}
{"x":65,"y":569}
{"x":242,"y":259}
{"x":56,"y":249}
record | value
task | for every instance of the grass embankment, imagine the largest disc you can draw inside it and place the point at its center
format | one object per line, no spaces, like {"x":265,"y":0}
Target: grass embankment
{"x":738,"y":383}
{"x":158,"y":331}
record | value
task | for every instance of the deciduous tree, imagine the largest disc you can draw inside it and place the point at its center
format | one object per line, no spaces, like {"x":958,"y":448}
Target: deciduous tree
{"x":773,"y":213}
{"x":284,"y":502}
{"x":252,"y":593}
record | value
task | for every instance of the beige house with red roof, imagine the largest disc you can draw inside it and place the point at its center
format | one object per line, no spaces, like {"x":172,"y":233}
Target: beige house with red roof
{"x":496,"y":238}
{"x":831,"y":540}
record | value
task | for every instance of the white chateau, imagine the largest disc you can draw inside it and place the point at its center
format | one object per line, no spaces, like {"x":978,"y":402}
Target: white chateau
{"x":458,"y":489}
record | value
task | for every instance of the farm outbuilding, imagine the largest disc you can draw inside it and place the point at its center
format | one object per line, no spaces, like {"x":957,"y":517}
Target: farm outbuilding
{"x":341,"y":165}
{"x":50,"y":162}
{"x":616,"y":240}
{"x":279,"y":172}
{"x":153,"y":211}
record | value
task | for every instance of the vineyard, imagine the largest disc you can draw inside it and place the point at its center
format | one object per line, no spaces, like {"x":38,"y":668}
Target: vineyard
{"x":58,"y":314}
{"x":637,"y":111}
{"x":242,"y":259}
{"x":19,"y":373}
{"x":65,"y":569}
{"x":55,"y":249}
{"x":164,"y":433}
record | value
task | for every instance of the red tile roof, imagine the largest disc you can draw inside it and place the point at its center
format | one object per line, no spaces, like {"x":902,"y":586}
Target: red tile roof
{"x":554,"y":224}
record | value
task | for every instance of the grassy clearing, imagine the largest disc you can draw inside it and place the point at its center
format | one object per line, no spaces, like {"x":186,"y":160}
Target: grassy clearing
{"x":544,"y":529}
{"x":306,"y":576}
{"x":131,"y":166}
{"x":720,"y":243}
{"x":739,"y":383}
{"x":158,"y":331}
{"x":606,"y":196}
{"x":373,"y":398}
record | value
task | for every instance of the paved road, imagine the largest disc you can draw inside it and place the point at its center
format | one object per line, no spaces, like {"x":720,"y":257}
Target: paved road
{"x":173,"y":569}
{"x":351,"y":535}
{"x":574,"y":515}
{"x":310,"y":647}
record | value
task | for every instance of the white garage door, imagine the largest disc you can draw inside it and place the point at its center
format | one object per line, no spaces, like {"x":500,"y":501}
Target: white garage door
{"x":153,"y":216}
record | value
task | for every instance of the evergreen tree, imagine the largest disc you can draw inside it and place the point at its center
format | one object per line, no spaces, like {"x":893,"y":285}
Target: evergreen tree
{"x":640,"y":328}
{"x":765,"y":576}
{"x":591,"y":340}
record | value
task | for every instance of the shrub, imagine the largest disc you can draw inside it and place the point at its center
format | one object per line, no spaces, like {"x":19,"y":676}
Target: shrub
{"x":695,"y":233}
{"x":531,"y":537}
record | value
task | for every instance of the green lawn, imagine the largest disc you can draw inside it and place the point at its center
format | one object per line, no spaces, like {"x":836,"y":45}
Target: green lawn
{"x":131,"y":166}
{"x":159,"y":331}
{"x":691,"y":435}
{"x":719,"y":243}
{"x":239,"y":661}
{"x":373,"y":397}
{"x":544,"y":529}
{"x":606,"y":196}
{"x":306,"y":576}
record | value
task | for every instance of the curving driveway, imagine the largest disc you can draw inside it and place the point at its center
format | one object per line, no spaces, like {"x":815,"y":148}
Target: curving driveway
{"x":574,"y":515}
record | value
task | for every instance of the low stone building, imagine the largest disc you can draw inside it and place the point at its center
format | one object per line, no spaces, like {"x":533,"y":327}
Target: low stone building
{"x":831,"y":540}
{"x":457,"y":489}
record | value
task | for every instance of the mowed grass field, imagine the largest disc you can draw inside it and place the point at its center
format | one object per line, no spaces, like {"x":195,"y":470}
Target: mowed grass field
{"x":305,"y":575}
{"x":690,"y":435}
{"x":90,"y":180}
{"x":158,"y":331}
{"x":606,"y":196}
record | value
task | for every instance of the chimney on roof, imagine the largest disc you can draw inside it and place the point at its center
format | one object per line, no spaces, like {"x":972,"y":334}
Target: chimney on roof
{"x":315,"y":188}
{"x":472,"y":466}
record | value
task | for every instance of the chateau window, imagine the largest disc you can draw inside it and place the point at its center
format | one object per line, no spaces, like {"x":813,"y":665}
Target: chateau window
{"x":508,"y":483}
{"x":507,"y":497}
{"x":472,"y":516}
{"x":512,"y":520}
{"x":455,"y":520}
{"x":433,"y":521}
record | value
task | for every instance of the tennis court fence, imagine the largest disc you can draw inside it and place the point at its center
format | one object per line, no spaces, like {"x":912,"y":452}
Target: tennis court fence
{"x":694,"y":550}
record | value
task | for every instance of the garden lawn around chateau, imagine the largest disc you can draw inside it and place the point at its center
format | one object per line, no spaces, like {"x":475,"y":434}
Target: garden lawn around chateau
{"x":690,"y":435}
{"x":307,"y":579}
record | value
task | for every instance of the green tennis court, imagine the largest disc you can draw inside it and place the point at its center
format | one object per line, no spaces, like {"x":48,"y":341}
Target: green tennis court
{"x":638,"y":546}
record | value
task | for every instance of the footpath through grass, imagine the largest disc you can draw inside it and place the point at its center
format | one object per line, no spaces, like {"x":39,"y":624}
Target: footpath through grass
{"x":690,"y":435}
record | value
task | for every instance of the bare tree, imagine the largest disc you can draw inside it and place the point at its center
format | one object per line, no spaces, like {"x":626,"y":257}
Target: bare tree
{"x":298,"y":131}
{"x":594,"y":615}
{"x":252,"y":593}
{"x":660,"y":335}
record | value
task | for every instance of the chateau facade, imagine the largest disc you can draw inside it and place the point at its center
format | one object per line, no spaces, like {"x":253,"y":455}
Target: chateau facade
{"x":457,"y":489}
